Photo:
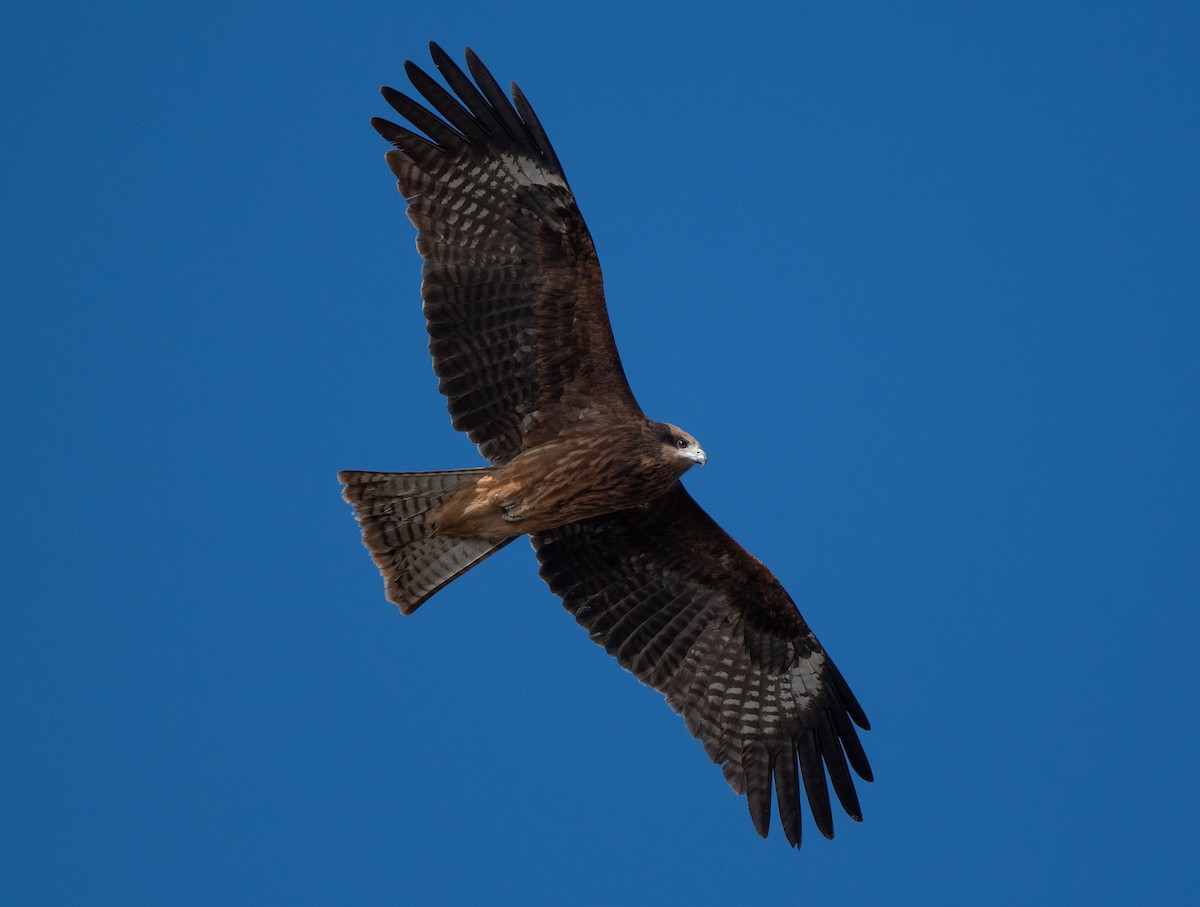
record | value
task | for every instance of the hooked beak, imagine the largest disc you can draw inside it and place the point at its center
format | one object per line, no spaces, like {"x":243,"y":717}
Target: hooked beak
{"x":699,"y":456}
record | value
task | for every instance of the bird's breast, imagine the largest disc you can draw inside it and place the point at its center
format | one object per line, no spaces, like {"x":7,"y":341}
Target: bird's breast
{"x":557,"y":483}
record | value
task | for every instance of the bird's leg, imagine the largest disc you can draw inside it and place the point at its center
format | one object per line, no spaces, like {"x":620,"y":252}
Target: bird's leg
{"x":511,"y":511}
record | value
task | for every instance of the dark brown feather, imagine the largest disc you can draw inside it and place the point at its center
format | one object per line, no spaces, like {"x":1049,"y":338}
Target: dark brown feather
{"x":466,"y":91}
{"x":396,"y":510}
{"x":513,"y":295}
{"x":686,"y":609}
{"x":787,"y":783}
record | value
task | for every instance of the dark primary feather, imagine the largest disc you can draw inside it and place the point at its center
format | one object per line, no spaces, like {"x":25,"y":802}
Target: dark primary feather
{"x":513,"y":294}
{"x":683,"y":607}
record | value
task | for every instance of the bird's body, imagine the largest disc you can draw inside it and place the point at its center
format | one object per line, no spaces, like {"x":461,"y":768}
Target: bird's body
{"x":522,"y":346}
{"x":581,"y":475}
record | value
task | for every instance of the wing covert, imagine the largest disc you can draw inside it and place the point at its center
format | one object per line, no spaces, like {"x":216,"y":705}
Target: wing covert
{"x":688,"y":611}
{"x":513,"y":295}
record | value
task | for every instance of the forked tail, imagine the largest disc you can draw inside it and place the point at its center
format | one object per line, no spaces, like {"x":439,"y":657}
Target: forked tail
{"x":393,"y":509}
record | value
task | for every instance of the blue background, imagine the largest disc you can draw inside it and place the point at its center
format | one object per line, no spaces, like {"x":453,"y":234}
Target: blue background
{"x":922,"y":278}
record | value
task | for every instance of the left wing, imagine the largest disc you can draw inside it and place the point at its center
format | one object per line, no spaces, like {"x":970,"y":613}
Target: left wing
{"x":690,"y":612}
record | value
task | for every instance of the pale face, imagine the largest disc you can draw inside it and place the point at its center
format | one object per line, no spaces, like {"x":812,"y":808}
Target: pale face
{"x":683,"y":445}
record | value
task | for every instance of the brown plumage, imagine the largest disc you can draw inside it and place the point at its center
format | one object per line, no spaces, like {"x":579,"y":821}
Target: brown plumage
{"x":521,"y":343}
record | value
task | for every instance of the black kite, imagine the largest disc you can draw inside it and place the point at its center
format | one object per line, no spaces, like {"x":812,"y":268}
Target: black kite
{"x":522,"y":346}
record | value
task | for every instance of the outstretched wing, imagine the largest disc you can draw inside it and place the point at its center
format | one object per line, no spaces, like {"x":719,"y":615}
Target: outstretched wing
{"x":514,"y":301}
{"x":688,"y":611}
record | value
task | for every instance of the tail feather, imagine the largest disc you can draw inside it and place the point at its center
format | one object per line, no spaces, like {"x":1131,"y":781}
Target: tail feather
{"x":393,"y":510}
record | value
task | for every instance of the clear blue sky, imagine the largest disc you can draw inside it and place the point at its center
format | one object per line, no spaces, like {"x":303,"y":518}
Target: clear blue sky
{"x":922,"y":278}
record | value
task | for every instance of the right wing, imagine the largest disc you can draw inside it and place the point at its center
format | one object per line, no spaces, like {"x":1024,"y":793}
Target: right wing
{"x":514,"y":300}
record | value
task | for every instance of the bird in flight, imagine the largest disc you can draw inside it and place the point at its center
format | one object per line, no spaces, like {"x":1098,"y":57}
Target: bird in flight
{"x":521,"y":345}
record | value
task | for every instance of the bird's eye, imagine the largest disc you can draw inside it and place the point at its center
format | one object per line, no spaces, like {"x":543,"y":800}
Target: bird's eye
{"x":681,"y":443}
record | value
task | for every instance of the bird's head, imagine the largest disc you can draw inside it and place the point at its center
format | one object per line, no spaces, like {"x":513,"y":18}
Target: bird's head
{"x":682,"y":446}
